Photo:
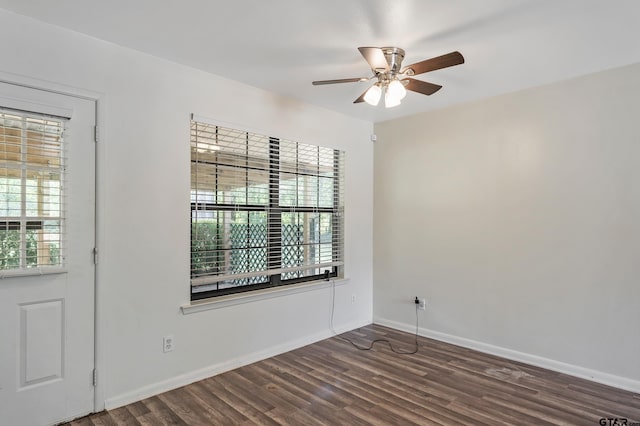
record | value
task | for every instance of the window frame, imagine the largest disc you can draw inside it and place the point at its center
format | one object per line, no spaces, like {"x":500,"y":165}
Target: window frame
{"x":274,"y":211}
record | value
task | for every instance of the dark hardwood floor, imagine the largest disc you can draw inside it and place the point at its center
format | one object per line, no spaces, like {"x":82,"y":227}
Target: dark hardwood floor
{"x":332,"y":383}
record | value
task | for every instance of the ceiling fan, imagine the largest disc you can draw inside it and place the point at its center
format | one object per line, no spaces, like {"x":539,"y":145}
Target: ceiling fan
{"x":386,"y":63}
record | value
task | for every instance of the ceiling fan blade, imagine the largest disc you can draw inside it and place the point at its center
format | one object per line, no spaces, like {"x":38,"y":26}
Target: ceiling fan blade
{"x":421,"y":86}
{"x":375,"y":58}
{"x":439,"y":62}
{"x":340,"y":80}
{"x":361,"y":97}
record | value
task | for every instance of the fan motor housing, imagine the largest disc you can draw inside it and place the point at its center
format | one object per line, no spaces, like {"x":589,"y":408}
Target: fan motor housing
{"x":394,"y":56}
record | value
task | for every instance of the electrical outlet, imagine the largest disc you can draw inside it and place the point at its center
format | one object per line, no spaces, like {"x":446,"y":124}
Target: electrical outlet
{"x":423,"y":304}
{"x":168,"y":343}
{"x":353,"y":298}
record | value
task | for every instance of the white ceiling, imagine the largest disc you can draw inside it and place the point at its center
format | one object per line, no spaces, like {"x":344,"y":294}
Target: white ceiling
{"x":283,"y":45}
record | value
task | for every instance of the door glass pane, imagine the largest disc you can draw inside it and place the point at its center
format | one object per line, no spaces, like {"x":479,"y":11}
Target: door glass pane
{"x":31,"y":215}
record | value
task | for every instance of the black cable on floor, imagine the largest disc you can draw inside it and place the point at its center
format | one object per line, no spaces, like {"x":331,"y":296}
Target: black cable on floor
{"x":365,"y":348}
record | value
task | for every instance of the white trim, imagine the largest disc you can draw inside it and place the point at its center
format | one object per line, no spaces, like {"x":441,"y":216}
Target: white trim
{"x":30,"y":272}
{"x":535,"y":360}
{"x":44,"y":109}
{"x":49,"y":86}
{"x":253,"y":296}
{"x":212,"y":370}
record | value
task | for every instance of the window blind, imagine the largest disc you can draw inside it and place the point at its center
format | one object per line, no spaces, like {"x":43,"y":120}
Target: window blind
{"x":264,"y":211}
{"x":31,"y":190}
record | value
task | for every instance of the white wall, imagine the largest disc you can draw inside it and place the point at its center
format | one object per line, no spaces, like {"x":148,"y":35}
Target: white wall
{"x":143,"y":191}
{"x":517,"y":218}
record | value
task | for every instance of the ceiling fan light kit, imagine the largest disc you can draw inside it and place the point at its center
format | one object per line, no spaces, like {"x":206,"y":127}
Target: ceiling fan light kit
{"x":390,"y":101}
{"x":372,"y":95}
{"x":394,"y":81}
{"x":397,"y":90}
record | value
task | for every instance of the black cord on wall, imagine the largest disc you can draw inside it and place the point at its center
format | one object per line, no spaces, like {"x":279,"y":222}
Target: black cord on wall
{"x":368,"y":348}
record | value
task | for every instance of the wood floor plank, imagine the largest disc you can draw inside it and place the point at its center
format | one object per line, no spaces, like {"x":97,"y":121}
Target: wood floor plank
{"x":333,"y":383}
{"x":323,"y":388}
{"x":165,"y":415}
{"x":149,"y":419}
{"x":246,"y":390}
{"x":323,"y":392}
{"x":189,"y":409}
{"x":249,"y":406}
{"x":137,"y":409}
{"x":214,"y":408}
{"x":83,"y":421}
{"x":216,"y":399}
{"x":378,"y":417}
{"x":103,"y":419}
{"x":123,"y":416}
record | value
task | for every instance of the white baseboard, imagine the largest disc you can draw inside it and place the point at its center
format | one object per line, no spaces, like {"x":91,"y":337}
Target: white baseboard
{"x":212,"y":370}
{"x":549,"y":364}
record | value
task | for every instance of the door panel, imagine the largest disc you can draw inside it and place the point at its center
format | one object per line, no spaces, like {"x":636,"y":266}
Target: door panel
{"x":47,"y":321}
{"x":41,"y":342}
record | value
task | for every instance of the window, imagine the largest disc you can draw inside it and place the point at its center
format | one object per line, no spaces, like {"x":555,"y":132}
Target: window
{"x":31,"y":185}
{"x":265,"y":211}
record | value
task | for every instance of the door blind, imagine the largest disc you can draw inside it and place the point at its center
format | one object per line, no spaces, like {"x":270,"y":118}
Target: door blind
{"x":31,"y":190}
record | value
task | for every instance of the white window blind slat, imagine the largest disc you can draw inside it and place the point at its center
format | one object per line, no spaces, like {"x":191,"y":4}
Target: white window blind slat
{"x":31,"y":191}
{"x":262,"y":207}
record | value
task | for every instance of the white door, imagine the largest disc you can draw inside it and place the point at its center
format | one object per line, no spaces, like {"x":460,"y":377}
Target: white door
{"x":47,"y":237}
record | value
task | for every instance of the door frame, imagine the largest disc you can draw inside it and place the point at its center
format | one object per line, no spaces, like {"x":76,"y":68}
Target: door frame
{"x":99,"y":100}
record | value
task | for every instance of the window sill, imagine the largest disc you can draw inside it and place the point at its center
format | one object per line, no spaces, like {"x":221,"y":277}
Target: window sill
{"x":269,"y":293}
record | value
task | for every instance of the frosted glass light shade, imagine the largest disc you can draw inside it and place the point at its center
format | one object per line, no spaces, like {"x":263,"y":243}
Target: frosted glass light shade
{"x":390,"y":101}
{"x":396,"y":89}
{"x":372,"y":97}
